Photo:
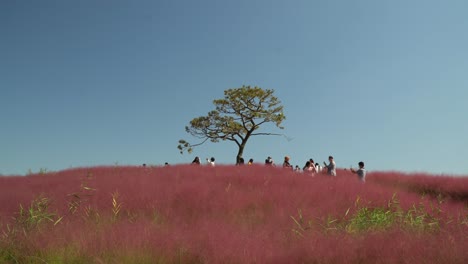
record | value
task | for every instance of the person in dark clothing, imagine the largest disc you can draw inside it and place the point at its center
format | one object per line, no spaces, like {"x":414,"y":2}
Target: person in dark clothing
{"x":196,"y":161}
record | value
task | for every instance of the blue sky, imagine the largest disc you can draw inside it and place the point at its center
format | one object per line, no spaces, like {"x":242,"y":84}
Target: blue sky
{"x":86,"y":83}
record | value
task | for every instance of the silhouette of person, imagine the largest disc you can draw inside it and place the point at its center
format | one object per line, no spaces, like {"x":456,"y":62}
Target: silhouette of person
{"x":196,"y":161}
{"x":269,"y":161}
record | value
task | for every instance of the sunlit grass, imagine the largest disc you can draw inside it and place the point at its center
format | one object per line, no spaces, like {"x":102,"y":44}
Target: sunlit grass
{"x":186,"y":214}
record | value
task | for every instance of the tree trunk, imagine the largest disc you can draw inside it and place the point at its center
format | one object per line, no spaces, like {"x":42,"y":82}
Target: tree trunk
{"x":240,"y":152}
{"x":242,"y":146}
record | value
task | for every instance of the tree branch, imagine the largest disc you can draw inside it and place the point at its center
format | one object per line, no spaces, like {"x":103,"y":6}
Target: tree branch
{"x":265,"y":134}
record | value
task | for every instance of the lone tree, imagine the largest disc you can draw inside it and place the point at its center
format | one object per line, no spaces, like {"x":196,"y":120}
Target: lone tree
{"x":237,"y":117}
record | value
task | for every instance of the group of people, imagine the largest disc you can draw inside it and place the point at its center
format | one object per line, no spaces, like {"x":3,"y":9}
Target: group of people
{"x":210,"y":161}
{"x":310,"y":166}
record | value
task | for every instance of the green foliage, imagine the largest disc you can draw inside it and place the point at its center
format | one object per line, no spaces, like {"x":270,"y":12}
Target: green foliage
{"x":27,"y":220}
{"x":369,"y":219}
{"x":42,"y":171}
{"x":237,"y":117}
{"x":184,"y":145}
{"x":378,"y":218}
{"x":31,"y":219}
{"x":37,"y":213}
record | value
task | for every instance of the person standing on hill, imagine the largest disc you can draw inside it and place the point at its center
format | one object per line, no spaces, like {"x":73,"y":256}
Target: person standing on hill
{"x":297,"y":169}
{"x":211,"y":161}
{"x":312,"y":165}
{"x":196,"y":161}
{"x":286,"y":163}
{"x":331,"y":167}
{"x":318,"y":168}
{"x":250,"y":162}
{"x":308,"y":168}
{"x":361,"y":172}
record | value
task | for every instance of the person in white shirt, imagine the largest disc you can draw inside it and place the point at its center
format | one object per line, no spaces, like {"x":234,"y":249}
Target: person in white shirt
{"x":211,"y":161}
{"x":361,"y":172}
{"x":318,"y":168}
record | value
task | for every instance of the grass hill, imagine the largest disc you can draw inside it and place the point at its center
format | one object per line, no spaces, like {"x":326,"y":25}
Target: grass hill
{"x":227,"y":214}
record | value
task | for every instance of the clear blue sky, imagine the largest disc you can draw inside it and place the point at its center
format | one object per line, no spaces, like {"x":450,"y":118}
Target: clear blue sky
{"x":85,"y":83}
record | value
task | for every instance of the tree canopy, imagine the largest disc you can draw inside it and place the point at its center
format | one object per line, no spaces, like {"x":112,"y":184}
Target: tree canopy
{"x":237,"y":117}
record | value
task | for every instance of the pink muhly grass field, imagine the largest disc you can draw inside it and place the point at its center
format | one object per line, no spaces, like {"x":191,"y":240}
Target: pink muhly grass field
{"x":228,"y":214}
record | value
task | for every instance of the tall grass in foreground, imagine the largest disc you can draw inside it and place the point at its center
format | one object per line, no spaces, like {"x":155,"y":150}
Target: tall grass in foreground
{"x":187,"y":214}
